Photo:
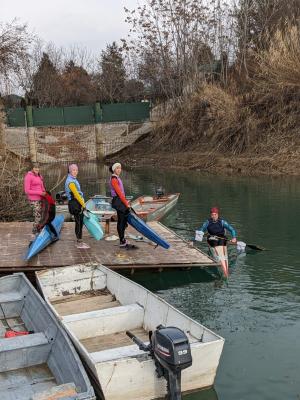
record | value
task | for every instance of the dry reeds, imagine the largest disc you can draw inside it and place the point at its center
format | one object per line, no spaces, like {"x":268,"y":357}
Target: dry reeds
{"x":279,"y":66}
{"x":229,"y":120}
{"x":212,"y":119}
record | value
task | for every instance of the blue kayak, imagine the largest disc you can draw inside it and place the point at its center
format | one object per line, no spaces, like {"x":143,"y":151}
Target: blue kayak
{"x":146,"y":231}
{"x":44,"y":238}
{"x":92,"y":224}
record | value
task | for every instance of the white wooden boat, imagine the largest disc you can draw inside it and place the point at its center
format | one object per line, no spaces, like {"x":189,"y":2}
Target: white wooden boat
{"x":37,"y":359}
{"x":154,"y":208}
{"x":96,"y":306}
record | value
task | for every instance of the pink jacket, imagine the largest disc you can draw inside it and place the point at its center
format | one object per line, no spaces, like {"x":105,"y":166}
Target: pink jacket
{"x":33,"y":186}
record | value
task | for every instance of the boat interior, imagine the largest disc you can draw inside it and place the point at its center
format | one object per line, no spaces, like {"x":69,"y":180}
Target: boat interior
{"x":99,"y":306}
{"x":39,"y":363}
{"x":149,"y":204}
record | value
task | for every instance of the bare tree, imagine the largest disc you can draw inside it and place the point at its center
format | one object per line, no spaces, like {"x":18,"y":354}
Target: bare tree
{"x":178,"y":37}
{"x":256,"y":23}
{"x":14,"y":47}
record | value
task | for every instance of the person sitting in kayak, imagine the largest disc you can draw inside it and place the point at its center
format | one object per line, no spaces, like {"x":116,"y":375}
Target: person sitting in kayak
{"x":76,"y":203}
{"x":48,"y":214}
{"x":216,"y":228}
{"x":120,"y":204}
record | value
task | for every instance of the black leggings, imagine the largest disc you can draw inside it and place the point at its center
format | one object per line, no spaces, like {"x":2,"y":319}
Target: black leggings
{"x":220,"y":241}
{"x":76,"y":210}
{"x":122,"y":212}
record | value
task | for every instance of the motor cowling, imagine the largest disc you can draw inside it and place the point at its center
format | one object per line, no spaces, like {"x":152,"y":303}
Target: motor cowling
{"x":159,"y":192}
{"x":171,"y":348}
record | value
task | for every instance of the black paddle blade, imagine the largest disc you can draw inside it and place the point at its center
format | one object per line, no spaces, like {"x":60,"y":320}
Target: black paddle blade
{"x":254,"y":247}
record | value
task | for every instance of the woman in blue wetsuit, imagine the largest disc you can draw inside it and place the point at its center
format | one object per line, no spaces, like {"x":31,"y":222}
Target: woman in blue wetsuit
{"x":216,"y":228}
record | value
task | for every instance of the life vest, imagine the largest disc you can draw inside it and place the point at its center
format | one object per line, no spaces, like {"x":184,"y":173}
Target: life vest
{"x":215,"y":227}
{"x":112,"y":190}
{"x":71,"y":179}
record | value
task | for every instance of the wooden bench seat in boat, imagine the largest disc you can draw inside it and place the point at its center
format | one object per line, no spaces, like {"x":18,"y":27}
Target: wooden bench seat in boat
{"x":113,"y":340}
{"x":20,"y":351}
{"x":105,"y":322}
{"x":81,"y":303}
{"x":10,"y":297}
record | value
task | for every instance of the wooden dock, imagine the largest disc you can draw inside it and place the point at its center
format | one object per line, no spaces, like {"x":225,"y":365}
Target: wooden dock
{"x":14,"y":239}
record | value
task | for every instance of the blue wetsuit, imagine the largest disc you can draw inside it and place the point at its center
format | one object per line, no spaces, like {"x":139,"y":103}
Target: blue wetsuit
{"x":217,"y":228}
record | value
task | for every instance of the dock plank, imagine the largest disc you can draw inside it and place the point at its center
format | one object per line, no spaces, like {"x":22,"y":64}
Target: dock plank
{"x":14,"y":238}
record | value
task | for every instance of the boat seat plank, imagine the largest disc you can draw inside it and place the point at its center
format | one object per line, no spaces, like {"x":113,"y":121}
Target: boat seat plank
{"x":117,"y":353}
{"x":10,"y":297}
{"x":86,"y":304}
{"x":111,"y":341}
{"x":22,"y":342}
{"x":78,"y":296}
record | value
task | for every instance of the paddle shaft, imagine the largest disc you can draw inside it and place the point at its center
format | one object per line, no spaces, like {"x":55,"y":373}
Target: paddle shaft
{"x":251,"y":246}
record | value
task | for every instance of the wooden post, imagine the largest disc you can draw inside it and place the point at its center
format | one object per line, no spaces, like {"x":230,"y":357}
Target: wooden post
{"x":31,"y":134}
{"x":100,"y":140}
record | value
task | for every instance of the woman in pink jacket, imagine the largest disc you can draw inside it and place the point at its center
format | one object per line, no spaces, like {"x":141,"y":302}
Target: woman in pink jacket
{"x":35,"y":190}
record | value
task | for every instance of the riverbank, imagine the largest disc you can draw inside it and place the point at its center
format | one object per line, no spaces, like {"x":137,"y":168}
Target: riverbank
{"x":260,"y":161}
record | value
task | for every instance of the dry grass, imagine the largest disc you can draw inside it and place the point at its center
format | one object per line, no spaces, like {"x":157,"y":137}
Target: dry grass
{"x":262,"y":117}
{"x":279,"y":67}
{"x":211,"y":119}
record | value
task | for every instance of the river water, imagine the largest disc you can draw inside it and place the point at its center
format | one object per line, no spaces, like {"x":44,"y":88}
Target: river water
{"x":258,"y":311}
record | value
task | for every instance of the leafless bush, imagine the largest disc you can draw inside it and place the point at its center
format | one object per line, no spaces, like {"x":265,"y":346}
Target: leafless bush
{"x":13,"y":204}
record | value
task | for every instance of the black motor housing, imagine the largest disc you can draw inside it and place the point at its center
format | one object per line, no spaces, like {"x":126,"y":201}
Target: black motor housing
{"x":159,"y":192}
{"x":171,"y":346}
{"x":171,"y":351}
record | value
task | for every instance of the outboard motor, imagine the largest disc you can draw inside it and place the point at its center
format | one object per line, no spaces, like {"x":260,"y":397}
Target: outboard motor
{"x":61,"y":197}
{"x":171,"y":351}
{"x":159,"y":192}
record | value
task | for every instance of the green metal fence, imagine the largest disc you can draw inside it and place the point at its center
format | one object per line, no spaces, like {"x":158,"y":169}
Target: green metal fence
{"x":125,"y":112}
{"x":81,"y":115}
{"x":16,"y":117}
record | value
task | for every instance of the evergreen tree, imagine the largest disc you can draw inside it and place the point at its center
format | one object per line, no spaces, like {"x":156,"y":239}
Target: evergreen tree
{"x":46,"y":85}
{"x":112,"y":76}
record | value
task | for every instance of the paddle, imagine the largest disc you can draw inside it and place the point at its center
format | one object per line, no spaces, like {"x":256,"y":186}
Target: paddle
{"x":239,"y":244}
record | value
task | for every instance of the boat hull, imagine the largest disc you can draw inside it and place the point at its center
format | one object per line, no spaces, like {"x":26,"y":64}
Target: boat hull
{"x":220,"y":255}
{"x":44,"y":238}
{"x":151,"y":208}
{"x":146,"y":231}
{"x":122,"y":370}
{"x":42,"y":362}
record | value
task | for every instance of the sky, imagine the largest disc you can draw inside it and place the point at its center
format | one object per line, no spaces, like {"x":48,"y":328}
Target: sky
{"x":91,"y":24}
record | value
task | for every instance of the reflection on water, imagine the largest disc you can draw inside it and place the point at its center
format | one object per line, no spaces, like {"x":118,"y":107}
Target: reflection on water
{"x":209,"y":394}
{"x":258,"y":312}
